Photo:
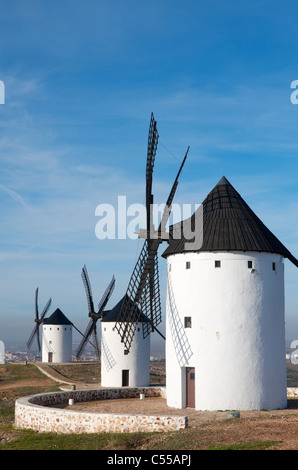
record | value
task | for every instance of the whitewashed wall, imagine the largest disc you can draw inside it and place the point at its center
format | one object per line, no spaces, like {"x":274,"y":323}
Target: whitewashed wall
{"x":58,"y":340}
{"x":113,"y":359}
{"x":237,"y":339}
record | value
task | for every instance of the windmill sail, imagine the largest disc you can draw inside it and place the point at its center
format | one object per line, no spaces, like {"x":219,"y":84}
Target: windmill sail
{"x":151,"y":153}
{"x":88,"y":290}
{"x":94,"y":316}
{"x":143,"y":292}
{"x":38,"y":321}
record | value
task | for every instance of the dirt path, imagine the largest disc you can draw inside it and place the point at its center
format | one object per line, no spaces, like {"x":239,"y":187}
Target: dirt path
{"x":26,"y":383}
{"x":49,"y":376}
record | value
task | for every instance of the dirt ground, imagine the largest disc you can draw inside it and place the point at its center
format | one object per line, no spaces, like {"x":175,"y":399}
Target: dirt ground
{"x":276,"y":425}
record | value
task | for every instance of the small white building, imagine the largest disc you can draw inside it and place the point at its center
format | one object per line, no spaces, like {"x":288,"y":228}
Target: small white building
{"x":225,"y":317}
{"x":120,"y":367}
{"x":57,"y":338}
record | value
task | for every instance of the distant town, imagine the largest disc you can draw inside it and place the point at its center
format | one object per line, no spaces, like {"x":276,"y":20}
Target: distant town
{"x":17,"y":354}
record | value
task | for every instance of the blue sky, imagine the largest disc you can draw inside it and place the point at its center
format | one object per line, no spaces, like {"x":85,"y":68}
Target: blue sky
{"x":81,"y":80}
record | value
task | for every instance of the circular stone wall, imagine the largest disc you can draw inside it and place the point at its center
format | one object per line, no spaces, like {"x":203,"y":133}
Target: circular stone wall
{"x":38,"y":412}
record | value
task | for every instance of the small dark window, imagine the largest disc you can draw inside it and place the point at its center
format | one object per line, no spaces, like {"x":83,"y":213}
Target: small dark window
{"x":249,"y":264}
{"x":217,"y":264}
{"x":273,"y":266}
{"x":187,"y":264}
{"x":187,"y":322}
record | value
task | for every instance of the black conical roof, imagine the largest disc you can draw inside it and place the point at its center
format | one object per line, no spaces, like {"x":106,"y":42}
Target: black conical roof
{"x":229,"y":225}
{"x":57,"y":318}
{"x":113,"y":315}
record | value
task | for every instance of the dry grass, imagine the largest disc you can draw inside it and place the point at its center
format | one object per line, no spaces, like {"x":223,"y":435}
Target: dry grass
{"x":258,"y":430}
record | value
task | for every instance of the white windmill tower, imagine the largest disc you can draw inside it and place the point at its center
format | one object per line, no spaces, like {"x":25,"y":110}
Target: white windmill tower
{"x":225,"y":328}
{"x":56,"y":334}
{"x":57,"y":338}
{"x":122,"y":367}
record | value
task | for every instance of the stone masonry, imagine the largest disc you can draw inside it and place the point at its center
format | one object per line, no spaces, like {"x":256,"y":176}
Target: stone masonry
{"x":38,"y":412}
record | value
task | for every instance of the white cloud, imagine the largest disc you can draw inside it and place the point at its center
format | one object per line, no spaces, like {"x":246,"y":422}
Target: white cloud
{"x":15,"y":196}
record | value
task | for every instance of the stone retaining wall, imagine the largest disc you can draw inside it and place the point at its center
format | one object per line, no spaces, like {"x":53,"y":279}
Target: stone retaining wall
{"x":38,"y":412}
{"x":292,"y":392}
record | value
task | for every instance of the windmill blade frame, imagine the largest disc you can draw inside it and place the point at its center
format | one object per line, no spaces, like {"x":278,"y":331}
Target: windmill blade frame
{"x":87,"y":285}
{"x":94,"y":317}
{"x":45,"y":310}
{"x":31,"y":337}
{"x":86,"y":336}
{"x":143,"y":292}
{"x":36,"y":304}
{"x":151,"y":153}
{"x":106,"y":296}
{"x":38,"y":321}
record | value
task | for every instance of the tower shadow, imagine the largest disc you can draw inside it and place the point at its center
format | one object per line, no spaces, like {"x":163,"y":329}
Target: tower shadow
{"x":107,"y":356}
